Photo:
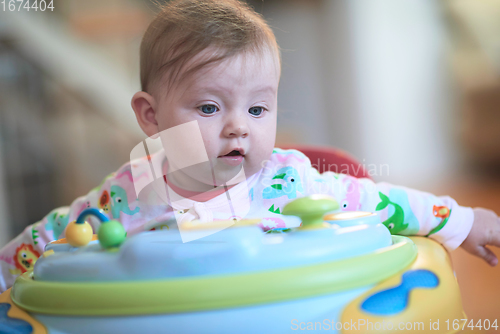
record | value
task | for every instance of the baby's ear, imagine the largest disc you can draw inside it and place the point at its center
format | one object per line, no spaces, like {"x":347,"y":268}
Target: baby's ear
{"x":144,"y":106}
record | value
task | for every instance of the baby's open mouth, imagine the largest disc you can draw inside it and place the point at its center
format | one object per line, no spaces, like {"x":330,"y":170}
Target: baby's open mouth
{"x":232,"y":153}
{"x":233,"y":158}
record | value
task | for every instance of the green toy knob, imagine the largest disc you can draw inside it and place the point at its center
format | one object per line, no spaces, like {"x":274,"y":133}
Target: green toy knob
{"x":311,"y":210}
{"x":111,"y":234}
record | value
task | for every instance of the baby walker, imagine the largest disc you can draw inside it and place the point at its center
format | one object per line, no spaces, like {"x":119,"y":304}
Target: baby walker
{"x":343,"y":272}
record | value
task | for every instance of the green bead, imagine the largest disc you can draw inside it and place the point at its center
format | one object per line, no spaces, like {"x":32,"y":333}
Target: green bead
{"x":111,"y":234}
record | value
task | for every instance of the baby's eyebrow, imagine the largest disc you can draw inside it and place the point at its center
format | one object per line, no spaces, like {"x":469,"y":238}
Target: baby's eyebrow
{"x":212,"y":89}
{"x":264,"y":89}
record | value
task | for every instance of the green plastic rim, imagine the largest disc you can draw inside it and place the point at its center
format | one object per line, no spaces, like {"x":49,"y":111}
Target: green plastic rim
{"x":211,"y":292}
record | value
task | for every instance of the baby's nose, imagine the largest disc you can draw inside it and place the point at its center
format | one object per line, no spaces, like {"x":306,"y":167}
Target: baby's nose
{"x":239,"y":132}
{"x":236,"y":127}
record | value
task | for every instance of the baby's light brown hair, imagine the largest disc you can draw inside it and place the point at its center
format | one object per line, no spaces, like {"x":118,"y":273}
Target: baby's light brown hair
{"x":184,"y":28}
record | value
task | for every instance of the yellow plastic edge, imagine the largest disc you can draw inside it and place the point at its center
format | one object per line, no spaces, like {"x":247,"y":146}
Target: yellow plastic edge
{"x":425,"y":305}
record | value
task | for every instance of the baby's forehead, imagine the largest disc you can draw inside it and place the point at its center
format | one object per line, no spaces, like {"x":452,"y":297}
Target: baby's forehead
{"x":205,"y":69}
{"x":240,"y":67}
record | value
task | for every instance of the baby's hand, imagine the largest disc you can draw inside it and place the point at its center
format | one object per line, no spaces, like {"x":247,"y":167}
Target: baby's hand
{"x":485,"y":231}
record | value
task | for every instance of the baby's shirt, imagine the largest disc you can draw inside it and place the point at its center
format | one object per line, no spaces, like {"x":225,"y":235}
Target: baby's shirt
{"x":287,"y":175}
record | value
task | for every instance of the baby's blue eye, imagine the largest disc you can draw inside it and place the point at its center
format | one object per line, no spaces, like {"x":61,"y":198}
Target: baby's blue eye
{"x":208,"y":108}
{"x":256,"y":111}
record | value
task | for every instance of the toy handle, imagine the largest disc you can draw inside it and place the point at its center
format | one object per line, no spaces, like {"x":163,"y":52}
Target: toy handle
{"x":91,"y":212}
{"x":111,"y":232}
{"x":311,"y":209}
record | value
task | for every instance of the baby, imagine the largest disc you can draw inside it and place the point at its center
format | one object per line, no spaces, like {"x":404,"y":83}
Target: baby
{"x":210,"y":71}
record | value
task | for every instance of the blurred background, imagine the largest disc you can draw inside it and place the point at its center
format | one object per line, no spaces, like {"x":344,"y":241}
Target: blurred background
{"x":411,"y":88}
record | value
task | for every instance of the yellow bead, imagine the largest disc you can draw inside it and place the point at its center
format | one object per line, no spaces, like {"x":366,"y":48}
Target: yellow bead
{"x":78,"y":235}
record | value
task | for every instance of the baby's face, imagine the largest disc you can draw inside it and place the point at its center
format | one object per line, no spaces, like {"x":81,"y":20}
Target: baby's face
{"x":235,"y":105}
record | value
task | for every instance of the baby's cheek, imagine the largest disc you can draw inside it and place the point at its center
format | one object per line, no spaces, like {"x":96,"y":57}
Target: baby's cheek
{"x":209,"y":146}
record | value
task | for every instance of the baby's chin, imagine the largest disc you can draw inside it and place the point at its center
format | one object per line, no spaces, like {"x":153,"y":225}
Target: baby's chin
{"x":203,"y":178}
{"x":236,"y":174}
{"x":227,"y":175}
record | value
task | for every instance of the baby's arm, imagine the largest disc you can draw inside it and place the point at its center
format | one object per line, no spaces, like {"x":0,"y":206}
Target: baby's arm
{"x":20,"y":254}
{"x":411,"y":212}
{"x":473,"y":229}
{"x":403,"y":210}
{"x":115,"y":197}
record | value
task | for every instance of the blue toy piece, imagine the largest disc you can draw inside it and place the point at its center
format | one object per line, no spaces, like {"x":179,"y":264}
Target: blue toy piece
{"x":395,"y":300}
{"x":91,"y":212}
{"x":10,"y":325}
